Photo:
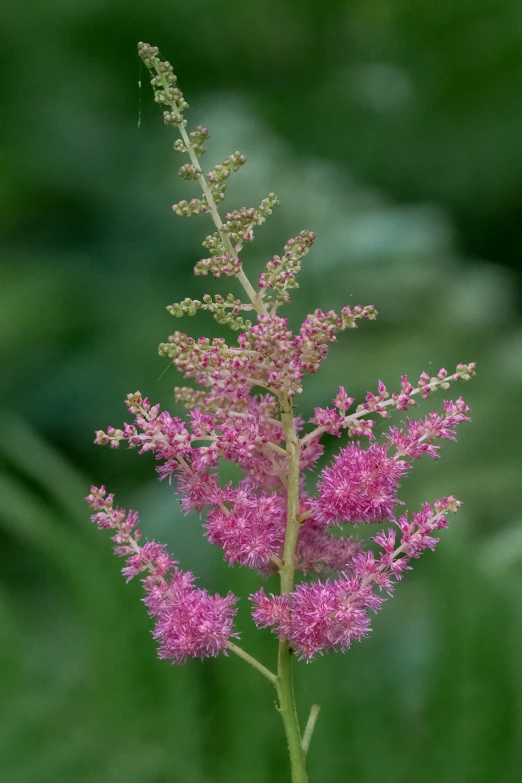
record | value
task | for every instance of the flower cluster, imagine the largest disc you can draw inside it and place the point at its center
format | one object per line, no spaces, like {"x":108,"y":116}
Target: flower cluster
{"x":334,"y":420}
{"x":242,"y":411}
{"x":280,"y":273}
{"x":360,"y":487}
{"x":189,"y":621}
{"x":330,"y":615}
{"x":268,"y":354}
{"x":225,"y":311}
{"x":252,"y":531}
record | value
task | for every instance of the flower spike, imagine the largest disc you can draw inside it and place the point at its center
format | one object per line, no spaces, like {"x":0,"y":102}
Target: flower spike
{"x":241,"y":402}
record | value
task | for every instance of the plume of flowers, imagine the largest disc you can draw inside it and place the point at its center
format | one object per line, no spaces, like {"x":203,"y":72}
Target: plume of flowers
{"x":241,"y":408}
{"x":188,"y":621}
{"x":330,"y":615}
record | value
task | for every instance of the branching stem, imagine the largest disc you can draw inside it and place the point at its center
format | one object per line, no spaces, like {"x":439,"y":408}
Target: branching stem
{"x":310,"y":726}
{"x":227,"y":244}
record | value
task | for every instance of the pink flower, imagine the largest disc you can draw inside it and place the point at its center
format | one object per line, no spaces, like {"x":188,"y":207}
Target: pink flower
{"x":189,"y":621}
{"x":242,"y":413}
{"x":418,"y":439}
{"x":193,"y":624}
{"x":360,"y":487}
{"x":318,"y":551}
{"x":252,"y":531}
{"x":326,"y":616}
{"x":316,"y":617}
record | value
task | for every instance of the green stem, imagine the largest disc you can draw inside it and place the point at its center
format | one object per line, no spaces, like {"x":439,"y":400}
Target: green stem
{"x":253,"y":662}
{"x":287,"y":709}
{"x":292,"y":522}
{"x":285,"y":687}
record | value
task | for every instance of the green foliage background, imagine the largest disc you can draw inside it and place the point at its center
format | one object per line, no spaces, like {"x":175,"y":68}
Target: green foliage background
{"x":392,"y":129}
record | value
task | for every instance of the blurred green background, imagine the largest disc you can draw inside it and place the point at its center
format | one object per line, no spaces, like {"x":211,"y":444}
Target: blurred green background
{"x":393,"y":130}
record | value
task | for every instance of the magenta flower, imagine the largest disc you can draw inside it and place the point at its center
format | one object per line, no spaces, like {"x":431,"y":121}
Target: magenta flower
{"x":323,"y":616}
{"x":241,"y":409}
{"x":251,"y":532}
{"x":361,"y":486}
{"x":189,"y":621}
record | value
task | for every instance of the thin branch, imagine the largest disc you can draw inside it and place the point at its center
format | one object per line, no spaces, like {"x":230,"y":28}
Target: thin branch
{"x":310,"y":726}
{"x":273,"y":447}
{"x":385,"y":404}
{"x":227,"y":244}
{"x":253,"y":662}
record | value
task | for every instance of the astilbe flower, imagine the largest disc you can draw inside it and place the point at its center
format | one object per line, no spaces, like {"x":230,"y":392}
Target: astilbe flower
{"x":242,"y":411}
{"x":361,"y":486}
{"x":189,"y":621}
{"x":319,"y":551}
{"x":251,"y":532}
{"x":330,"y":615}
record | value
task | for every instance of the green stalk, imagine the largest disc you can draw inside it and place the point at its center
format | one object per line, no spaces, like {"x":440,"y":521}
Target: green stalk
{"x":287,"y":709}
{"x":284,"y":685}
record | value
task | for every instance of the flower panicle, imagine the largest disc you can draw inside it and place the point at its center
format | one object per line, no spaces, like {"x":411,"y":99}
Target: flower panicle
{"x":335,"y":420}
{"x":189,"y":622}
{"x":328,"y":616}
{"x":281,"y":272}
{"x":240,"y":409}
{"x":166,"y":91}
{"x":267,"y":353}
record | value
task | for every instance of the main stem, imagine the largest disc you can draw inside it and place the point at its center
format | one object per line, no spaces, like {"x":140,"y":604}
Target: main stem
{"x":284,"y":685}
{"x":284,"y":681}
